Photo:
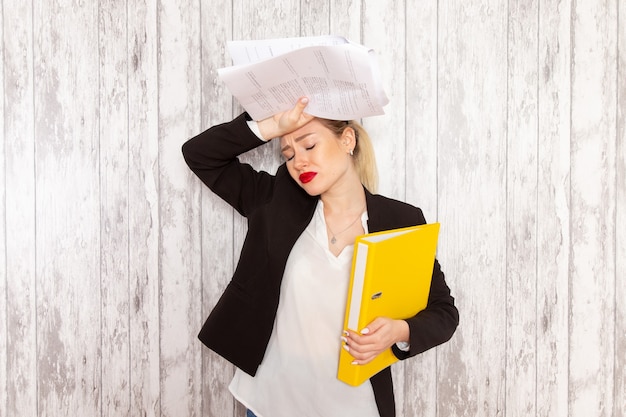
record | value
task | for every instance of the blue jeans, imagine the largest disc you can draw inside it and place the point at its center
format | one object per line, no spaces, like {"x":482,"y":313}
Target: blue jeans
{"x":250,"y":414}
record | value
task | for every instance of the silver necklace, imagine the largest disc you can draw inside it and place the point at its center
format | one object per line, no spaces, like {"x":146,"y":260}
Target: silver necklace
{"x":333,"y":239}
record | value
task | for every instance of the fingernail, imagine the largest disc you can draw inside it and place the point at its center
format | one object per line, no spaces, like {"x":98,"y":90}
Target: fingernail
{"x":344,"y":339}
{"x":365,"y":331}
{"x":345,"y":333}
{"x":347,"y":348}
{"x":305,"y":100}
{"x":354,"y":363}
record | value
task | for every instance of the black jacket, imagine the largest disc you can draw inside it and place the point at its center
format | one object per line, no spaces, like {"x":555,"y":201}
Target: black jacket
{"x":278,"y":211}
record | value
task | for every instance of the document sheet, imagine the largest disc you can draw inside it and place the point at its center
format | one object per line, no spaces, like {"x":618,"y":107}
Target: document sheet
{"x":340,"y":78}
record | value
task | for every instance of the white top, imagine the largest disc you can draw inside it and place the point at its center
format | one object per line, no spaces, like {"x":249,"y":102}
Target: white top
{"x":298,"y":375}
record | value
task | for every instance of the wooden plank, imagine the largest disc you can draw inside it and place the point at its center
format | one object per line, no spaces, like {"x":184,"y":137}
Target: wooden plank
{"x":67,"y":208}
{"x":19,"y":374}
{"x":383,"y":30}
{"x":114,"y":225}
{"x":421,"y":107}
{"x":345,"y":19}
{"x":521,"y":257}
{"x":252,"y":22}
{"x":180,"y":286}
{"x":472,"y":201}
{"x":217,"y":216}
{"x":592,"y":265}
{"x":143,"y":200}
{"x":315,"y":18}
{"x":619,"y":407}
{"x":553,"y":202}
{"x":4,"y":352}
{"x":421,"y":161}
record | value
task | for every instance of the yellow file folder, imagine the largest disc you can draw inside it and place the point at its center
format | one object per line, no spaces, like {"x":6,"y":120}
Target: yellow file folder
{"x":391,"y":275}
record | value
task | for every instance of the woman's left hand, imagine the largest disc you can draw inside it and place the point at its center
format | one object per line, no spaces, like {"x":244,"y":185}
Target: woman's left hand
{"x":378,"y":336}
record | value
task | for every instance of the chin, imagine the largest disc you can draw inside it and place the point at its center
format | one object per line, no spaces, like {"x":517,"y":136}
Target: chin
{"x":311,"y":190}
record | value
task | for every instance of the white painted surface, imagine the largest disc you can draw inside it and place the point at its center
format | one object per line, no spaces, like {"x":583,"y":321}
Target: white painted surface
{"x":507,"y":123}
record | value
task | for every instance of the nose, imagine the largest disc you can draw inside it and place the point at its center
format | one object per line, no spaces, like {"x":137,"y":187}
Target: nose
{"x":299,"y":160}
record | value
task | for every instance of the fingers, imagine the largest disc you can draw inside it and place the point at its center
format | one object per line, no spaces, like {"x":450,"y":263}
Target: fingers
{"x":375,"y":325}
{"x":301,"y":104}
{"x":377,"y":337}
{"x":295,"y":118}
{"x":362,"y":351}
{"x":365,"y":347}
{"x":286,"y":122}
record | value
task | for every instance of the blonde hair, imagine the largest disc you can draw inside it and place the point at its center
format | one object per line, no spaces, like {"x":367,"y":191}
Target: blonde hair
{"x":364,"y":158}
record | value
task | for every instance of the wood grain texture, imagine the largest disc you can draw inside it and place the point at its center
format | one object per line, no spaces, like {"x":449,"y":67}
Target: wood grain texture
{"x":4,"y":349}
{"x":553,"y":202}
{"x":143,"y":202}
{"x":180,"y":301}
{"x":507,"y":123}
{"x":592,"y":279}
{"x":619,"y":406}
{"x":18,"y":269}
{"x":114,"y":219}
{"x":383,"y":30}
{"x":345,"y":19}
{"x":315,"y":18}
{"x":472,"y":152}
{"x":521,"y":194}
{"x":68,"y":209}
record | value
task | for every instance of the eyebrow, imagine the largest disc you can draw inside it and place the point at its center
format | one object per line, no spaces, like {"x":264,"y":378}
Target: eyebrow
{"x":298,"y":139}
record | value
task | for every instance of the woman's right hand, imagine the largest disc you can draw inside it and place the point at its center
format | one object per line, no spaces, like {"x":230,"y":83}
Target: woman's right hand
{"x":286,"y":122}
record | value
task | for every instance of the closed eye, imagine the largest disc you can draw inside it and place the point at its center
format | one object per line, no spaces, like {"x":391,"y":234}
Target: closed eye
{"x":288,"y":153}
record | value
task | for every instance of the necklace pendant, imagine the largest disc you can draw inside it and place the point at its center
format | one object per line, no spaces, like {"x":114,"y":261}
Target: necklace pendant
{"x":333,"y":240}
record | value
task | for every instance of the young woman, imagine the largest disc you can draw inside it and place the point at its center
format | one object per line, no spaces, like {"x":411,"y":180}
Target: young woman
{"x":280,"y":319}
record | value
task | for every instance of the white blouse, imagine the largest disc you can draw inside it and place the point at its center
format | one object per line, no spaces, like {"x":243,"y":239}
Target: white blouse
{"x":298,"y":375}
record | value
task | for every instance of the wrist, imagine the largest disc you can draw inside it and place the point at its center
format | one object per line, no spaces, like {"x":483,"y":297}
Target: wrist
{"x":254,"y":127}
{"x":403,"y":332}
{"x":267,"y":129}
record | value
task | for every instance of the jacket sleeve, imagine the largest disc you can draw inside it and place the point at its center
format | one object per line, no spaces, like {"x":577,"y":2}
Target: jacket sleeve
{"x":212,"y":156}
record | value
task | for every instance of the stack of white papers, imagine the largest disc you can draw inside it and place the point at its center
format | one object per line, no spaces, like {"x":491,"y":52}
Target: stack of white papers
{"x":340,"y":78}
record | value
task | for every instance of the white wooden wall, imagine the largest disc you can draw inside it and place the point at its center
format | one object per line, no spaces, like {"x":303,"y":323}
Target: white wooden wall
{"x":507,"y":123}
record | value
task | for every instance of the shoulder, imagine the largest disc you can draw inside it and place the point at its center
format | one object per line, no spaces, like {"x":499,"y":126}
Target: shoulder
{"x":389,"y":213}
{"x":391,"y":203}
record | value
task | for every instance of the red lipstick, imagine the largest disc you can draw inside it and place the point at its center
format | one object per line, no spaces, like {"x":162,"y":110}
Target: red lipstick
{"x":307,"y":177}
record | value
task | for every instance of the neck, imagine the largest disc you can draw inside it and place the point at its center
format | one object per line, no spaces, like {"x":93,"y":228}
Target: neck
{"x":345,"y":200}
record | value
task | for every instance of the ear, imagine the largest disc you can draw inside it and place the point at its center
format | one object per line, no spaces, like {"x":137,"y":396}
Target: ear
{"x":348,"y":139}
